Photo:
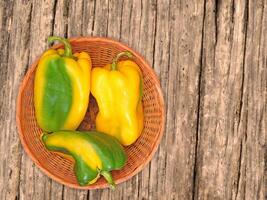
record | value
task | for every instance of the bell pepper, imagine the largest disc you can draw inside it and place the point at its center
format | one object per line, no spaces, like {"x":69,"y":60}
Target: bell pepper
{"x":61,"y":88}
{"x":94,"y":153}
{"x":118,"y":89}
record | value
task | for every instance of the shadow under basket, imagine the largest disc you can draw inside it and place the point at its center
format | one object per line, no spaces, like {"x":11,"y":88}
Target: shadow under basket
{"x":102,"y":51}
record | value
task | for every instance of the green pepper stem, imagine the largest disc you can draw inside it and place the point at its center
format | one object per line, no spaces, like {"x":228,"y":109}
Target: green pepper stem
{"x":109,"y":179}
{"x":67,"y":46}
{"x":115,"y":60}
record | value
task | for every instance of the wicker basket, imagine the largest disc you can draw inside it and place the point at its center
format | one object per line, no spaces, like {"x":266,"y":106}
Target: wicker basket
{"x":102,"y":51}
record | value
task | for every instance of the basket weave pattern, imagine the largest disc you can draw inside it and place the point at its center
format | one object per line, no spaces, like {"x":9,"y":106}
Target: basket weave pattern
{"x":139,"y":154}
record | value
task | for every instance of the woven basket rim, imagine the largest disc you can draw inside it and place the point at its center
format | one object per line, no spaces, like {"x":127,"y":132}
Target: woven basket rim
{"x":31,"y":155}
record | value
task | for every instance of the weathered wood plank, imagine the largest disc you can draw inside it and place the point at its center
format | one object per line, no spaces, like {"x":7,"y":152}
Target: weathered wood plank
{"x":75,"y":15}
{"x":253,"y":112}
{"x":33,"y":183}
{"x":88,"y":17}
{"x":14,"y":54}
{"x":60,"y":18}
{"x":100,"y":24}
{"x":221,"y":90}
{"x":130,"y":23}
{"x":179,"y":70}
{"x":230,"y":160}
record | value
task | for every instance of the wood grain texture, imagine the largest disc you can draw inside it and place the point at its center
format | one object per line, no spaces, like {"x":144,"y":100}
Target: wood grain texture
{"x":211,"y":59}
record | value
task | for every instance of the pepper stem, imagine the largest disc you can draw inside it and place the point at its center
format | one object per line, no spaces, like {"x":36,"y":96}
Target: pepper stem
{"x":115,"y":60}
{"x":109,"y":179}
{"x":67,"y":46}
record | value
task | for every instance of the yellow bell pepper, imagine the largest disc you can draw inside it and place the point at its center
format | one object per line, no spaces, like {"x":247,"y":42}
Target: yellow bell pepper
{"x":61,"y":88}
{"x":94,"y":153}
{"x":117,"y":88}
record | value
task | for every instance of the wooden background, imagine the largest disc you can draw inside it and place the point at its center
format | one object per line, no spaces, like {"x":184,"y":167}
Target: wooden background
{"x":211,"y":59}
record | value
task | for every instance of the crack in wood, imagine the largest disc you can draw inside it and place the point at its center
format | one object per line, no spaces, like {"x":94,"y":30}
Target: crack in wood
{"x":140,"y":25}
{"x":131,"y":10}
{"x":239,"y":168}
{"x":262,"y":11}
{"x":62,"y":195}
{"x":88,"y":195}
{"x":155,"y":35}
{"x":54,"y":16}
{"x":121,"y":19}
{"x":243,"y":64}
{"x":233,"y":12}
{"x":194,"y":184}
{"x":83,"y":6}
{"x":216,"y":10}
{"x":93,"y":25}
{"x":107,"y":21}
{"x":65,"y":15}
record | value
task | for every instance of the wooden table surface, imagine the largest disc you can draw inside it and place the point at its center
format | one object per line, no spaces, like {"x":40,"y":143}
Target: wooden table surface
{"x":211,"y":59}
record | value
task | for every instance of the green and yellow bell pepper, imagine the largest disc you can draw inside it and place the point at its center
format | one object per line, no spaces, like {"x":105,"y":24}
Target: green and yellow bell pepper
{"x":61,"y":88}
{"x":118,"y":89}
{"x":94,"y":153}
